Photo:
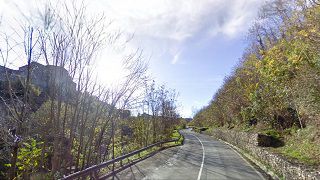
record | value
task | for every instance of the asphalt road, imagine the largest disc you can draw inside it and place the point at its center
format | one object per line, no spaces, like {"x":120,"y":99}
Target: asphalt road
{"x":201,"y":157}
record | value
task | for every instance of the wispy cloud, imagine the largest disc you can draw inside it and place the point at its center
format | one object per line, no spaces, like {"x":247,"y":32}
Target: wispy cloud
{"x":175,"y":58}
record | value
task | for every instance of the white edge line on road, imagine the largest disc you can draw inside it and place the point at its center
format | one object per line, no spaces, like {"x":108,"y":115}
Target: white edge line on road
{"x":233,"y":148}
{"x":203,"y":155}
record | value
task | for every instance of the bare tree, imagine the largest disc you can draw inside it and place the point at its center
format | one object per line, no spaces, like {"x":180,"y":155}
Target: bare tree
{"x":18,"y":103}
{"x":77,"y":122}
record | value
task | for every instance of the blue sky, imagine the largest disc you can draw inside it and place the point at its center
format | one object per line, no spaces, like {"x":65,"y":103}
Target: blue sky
{"x":192,"y":44}
{"x":200,"y":70}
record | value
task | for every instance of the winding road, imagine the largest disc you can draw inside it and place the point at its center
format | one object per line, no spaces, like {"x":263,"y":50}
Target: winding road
{"x":201,"y":157}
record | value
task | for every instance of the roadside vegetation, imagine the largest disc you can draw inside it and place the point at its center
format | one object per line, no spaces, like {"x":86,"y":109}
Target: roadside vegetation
{"x":49,"y":132}
{"x":275,"y":89}
{"x":177,"y":135}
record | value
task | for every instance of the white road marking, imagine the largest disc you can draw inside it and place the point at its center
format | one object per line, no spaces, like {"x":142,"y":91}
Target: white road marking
{"x":203,"y":155}
{"x":233,"y":148}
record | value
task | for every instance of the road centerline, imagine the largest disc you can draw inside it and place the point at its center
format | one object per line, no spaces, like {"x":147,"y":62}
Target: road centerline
{"x":203,"y":156}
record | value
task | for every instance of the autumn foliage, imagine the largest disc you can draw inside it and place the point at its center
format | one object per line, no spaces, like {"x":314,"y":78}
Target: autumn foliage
{"x":277,"y":83}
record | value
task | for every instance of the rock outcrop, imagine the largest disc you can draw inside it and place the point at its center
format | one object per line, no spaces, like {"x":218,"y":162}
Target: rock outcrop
{"x":42,"y":77}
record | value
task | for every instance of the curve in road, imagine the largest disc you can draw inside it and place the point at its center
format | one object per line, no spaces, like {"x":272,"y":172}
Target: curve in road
{"x":201,"y":157}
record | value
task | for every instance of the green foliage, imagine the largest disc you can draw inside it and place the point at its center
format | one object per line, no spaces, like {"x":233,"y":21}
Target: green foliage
{"x":182,"y":124}
{"x":290,"y":131}
{"x":29,"y":156}
{"x":248,"y":128}
{"x":302,"y":146}
{"x":277,"y":81}
{"x":35,"y":90}
{"x":176,"y":135}
{"x":273,"y":133}
{"x":276,"y":86}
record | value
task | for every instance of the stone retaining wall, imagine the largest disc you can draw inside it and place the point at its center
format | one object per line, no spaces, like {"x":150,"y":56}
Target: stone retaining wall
{"x":249,"y":142}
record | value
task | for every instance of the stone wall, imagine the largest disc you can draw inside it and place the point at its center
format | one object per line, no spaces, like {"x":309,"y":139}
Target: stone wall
{"x":250,"y":143}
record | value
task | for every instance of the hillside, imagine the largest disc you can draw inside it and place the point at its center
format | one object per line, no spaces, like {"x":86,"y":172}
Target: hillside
{"x":47,"y":117}
{"x":59,"y":118}
{"x":275,"y":88}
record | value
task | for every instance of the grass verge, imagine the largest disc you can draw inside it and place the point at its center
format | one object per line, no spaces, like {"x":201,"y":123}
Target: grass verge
{"x":302,"y":146}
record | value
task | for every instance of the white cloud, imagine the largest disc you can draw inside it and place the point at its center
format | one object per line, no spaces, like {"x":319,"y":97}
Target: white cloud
{"x":175,"y":58}
{"x":180,"y":19}
{"x":237,"y":17}
{"x":162,"y":25}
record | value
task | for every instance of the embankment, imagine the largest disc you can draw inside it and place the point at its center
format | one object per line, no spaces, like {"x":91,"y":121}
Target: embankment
{"x":257,"y":146}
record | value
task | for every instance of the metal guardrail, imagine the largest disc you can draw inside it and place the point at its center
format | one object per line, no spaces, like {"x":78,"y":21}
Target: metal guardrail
{"x":93,"y":170}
